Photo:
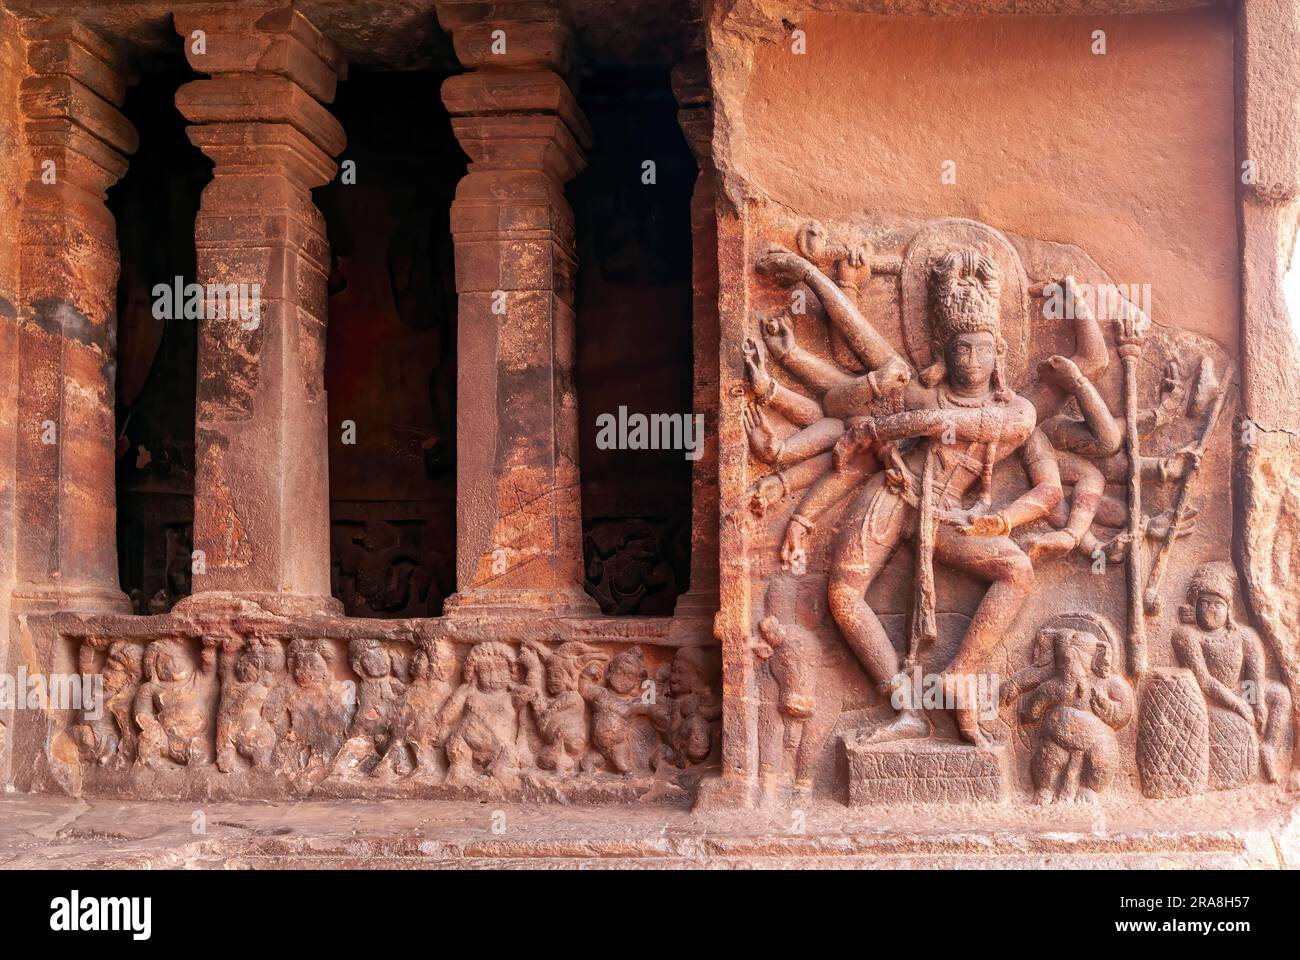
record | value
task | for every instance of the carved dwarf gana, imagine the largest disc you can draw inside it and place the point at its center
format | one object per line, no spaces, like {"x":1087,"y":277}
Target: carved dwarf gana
{"x":614,"y":708}
{"x":109,"y":732}
{"x":556,"y":705}
{"x":318,"y":706}
{"x":685,"y":717}
{"x":251,"y":703}
{"x":416,"y":727}
{"x":378,"y":696}
{"x":481,"y":720}
{"x":964,"y":420}
{"x":170,"y":709}
{"x":1227,"y":660}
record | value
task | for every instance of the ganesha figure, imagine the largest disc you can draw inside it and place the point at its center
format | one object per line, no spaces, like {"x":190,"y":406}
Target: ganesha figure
{"x":956,"y":421}
{"x":1078,"y":700}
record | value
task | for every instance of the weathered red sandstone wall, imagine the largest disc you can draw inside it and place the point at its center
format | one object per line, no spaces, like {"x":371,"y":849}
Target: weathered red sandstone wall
{"x":1115,"y":167}
{"x":1125,"y":154}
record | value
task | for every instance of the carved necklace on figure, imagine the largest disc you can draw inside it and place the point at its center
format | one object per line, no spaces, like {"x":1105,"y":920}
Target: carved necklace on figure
{"x":946,"y":400}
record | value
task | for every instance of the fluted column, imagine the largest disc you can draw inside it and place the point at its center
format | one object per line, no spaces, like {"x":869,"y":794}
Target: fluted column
{"x":261,"y":504}
{"x":519,"y":529}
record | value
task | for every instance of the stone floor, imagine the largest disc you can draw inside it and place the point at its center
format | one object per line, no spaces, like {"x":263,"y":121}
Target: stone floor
{"x":39,"y":832}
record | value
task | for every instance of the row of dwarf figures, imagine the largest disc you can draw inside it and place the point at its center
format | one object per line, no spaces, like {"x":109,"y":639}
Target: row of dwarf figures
{"x":1211,"y":720}
{"x":251,"y":704}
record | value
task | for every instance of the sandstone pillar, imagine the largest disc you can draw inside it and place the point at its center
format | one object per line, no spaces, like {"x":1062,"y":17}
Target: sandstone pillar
{"x":261,"y":507}
{"x":519,"y":530}
{"x":12,"y":161}
{"x":693,"y":615}
{"x":76,"y":145}
{"x":59,"y":348}
{"x":1268,"y":438}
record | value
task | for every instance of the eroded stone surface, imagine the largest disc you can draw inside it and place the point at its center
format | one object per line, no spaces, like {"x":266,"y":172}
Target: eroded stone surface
{"x":48,"y":832}
{"x":996,"y":511}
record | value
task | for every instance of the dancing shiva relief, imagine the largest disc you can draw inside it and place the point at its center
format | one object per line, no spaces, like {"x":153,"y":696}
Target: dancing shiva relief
{"x":976,"y":477}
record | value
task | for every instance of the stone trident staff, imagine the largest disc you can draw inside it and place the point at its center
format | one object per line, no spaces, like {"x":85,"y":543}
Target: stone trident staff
{"x":1152,"y":599}
{"x":1133,"y":326}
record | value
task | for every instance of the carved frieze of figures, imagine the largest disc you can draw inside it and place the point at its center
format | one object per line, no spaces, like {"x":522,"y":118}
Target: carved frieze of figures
{"x":311,"y":714}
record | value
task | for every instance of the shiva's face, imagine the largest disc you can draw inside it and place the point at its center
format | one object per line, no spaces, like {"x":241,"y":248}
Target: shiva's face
{"x":970,"y":359}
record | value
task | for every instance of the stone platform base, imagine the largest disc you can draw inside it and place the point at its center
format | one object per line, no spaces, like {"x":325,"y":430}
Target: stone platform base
{"x":47,"y":832}
{"x":924,"y":771}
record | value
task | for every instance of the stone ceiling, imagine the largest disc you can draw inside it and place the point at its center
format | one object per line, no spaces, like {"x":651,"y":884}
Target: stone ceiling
{"x":404,"y":34}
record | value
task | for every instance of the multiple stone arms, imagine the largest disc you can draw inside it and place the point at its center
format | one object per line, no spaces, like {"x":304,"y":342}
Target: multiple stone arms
{"x":809,"y":368}
{"x":1089,"y":360}
{"x":820,"y":434}
{"x":830,"y":488}
{"x":768,"y":490}
{"x":774,"y":451}
{"x":1044,"y":494}
{"x":795,"y":407}
{"x":977,"y":424}
{"x":857,"y":397}
{"x":789,"y":268}
{"x":1045,"y":479}
{"x":1098,"y":434}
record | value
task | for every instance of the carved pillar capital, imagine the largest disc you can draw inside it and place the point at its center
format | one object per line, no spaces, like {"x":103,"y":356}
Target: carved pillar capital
{"x":518,"y":120}
{"x":514,"y":35}
{"x":261,"y":510}
{"x":261,"y":42}
{"x":263,"y":108}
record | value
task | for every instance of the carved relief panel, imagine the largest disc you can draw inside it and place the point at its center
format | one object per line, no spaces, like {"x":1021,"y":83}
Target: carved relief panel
{"x":239,"y":708}
{"x":980,"y":482}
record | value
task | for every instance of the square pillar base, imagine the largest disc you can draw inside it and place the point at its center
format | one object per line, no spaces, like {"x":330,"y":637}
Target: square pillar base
{"x":497,"y":602}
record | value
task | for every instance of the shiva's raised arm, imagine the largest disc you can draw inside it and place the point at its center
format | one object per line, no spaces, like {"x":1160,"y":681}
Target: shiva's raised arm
{"x":788,"y":268}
